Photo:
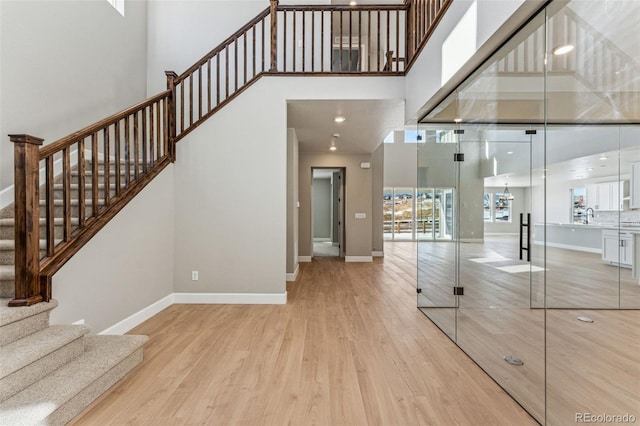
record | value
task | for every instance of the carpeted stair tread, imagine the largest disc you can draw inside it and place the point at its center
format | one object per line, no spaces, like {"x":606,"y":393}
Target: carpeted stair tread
{"x":40,"y":402}
{"x":11,"y":244}
{"x":27,"y":350}
{"x":9,"y":221}
{"x":19,"y":322}
{"x":9,"y":315}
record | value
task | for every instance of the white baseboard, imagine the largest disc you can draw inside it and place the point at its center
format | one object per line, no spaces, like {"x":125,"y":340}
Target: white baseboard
{"x":231,"y":298}
{"x":472,"y":240}
{"x":569,"y":247}
{"x":321,"y":240}
{"x":140,"y":316}
{"x":377,"y":253}
{"x":293,"y":276}
{"x":194,"y":298}
{"x":304,"y":258}
{"x":358,"y":259}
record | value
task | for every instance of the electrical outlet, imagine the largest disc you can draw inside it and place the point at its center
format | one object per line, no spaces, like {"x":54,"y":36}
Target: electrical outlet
{"x":194,"y":275}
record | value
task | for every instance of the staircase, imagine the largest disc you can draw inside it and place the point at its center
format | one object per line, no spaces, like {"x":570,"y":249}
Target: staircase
{"x":50,"y":373}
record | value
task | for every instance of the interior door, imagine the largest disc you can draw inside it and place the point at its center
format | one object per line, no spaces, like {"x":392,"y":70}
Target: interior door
{"x":341,"y":213}
{"x":496,"y":323}
{"x":436,"y":252}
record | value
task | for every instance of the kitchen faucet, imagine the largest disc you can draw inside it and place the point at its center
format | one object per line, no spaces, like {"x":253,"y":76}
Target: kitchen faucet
{"x":586,"y":222}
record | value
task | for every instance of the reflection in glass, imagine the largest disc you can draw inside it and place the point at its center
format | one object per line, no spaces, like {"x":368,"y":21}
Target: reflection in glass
{"x":563,"y":129}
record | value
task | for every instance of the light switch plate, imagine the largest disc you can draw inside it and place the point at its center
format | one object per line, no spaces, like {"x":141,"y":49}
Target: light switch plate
{"x":361,"y":215}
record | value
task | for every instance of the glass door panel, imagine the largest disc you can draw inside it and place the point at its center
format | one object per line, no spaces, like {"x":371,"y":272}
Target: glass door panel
{"x":436,"y":250}
{"x":497,"y":326}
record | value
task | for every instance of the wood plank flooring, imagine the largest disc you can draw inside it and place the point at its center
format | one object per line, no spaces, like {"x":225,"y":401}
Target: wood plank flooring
{"x":349,"y":348}
{"x":590,"y":367}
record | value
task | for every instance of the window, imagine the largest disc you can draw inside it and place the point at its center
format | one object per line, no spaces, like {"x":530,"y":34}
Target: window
{"x":487,"y":208}
{"x":422,"y":213}
{"x":502,"y":208}
{"x":497,"y":211}
{"x":118,"y":5}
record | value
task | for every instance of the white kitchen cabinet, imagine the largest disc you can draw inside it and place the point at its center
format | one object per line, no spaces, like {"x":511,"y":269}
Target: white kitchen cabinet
{"x":634,"y":202}
{"x":617,"y":247}
{"x":605,"y":196}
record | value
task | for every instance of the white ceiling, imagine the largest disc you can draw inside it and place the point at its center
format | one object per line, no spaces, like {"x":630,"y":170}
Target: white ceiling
{"x":367,"y":123}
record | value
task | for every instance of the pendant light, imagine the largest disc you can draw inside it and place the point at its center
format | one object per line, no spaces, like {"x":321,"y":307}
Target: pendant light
{"x":508,"y":195}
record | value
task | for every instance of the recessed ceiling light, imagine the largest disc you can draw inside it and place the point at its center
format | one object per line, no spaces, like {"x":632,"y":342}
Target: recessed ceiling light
{"x":352,"y":3}
{"x":590,"y":169}
{"x":332,"y":148}
{"x":339,"y":119}
{"x":457,"y":120}
{"x":509,"y":152}
{"x":336,"y":135}
{"x":603,"y":157}
{"x":562,"y":49}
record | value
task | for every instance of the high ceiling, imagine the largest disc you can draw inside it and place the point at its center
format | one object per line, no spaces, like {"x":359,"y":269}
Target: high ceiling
{"x":366,"y":124}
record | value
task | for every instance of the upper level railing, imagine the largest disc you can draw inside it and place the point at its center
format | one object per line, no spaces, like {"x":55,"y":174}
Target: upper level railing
{"x":88,"y":176}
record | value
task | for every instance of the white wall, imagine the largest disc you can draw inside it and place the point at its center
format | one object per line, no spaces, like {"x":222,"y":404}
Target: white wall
{"x":65,"y":65}
{"x":231,"y":198}
{"x":126,"y":267}
{"x":242,"y":152}
{"x":400,"y":163}
{"x":181,"y":32}
{"x":292,"y":201}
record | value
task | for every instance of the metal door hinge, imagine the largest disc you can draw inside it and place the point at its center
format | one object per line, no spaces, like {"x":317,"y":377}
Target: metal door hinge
{"x":418,"y":290}
{"x":458,"y":131}
{"x":458,"y":156}
{"x":530,"y":132}
{"x":458,"y":291}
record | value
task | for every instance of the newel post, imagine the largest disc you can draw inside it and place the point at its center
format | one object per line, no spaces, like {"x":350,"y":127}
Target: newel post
{"x":274,"y":36}
{"x":171,"y":115}
{"x":27,"y":225}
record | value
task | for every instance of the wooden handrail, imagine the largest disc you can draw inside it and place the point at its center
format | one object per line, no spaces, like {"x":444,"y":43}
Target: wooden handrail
{"x":66,"y":141}
{"x":136,"y":144}
{"x":221,"y":46}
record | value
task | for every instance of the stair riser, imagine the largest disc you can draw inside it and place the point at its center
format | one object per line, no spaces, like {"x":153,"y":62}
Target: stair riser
{"x":35,"y":371}
{"x":8,"y":257}
{"x":7,"y":290}
{"x":19,"y":329}
{"x":58,"y":211}
{"x":82,"y":400}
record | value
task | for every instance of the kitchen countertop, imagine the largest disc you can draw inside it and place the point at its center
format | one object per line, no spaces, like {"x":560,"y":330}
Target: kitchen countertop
{"x":632,"y":229}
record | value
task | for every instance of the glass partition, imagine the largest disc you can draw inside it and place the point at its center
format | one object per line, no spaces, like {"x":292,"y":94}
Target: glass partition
{"x":541,"y":147}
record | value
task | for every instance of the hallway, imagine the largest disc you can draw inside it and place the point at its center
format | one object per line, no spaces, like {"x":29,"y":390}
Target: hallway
{"x":349,"y":348}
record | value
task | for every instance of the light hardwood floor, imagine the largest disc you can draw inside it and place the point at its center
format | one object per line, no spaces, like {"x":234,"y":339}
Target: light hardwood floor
{"x":349,"y":348}
{"x":577,"y":366}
